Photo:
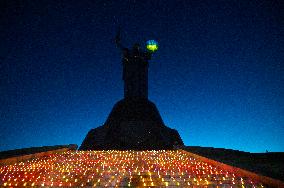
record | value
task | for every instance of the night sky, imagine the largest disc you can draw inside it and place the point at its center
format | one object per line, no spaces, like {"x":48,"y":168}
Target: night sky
{"x":218,"y":76}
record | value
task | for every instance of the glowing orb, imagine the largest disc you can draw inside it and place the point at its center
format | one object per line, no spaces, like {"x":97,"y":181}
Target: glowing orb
{"x":152,"y":45}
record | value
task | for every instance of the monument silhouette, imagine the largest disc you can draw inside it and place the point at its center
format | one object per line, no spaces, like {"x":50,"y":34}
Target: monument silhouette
{"x":134,"y":122}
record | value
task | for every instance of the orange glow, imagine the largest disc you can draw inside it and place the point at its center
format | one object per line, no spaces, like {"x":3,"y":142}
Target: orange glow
{"x":119,"y":169}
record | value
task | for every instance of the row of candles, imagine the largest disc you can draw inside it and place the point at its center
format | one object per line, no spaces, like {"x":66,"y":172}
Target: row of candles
{"x":114,"y":168}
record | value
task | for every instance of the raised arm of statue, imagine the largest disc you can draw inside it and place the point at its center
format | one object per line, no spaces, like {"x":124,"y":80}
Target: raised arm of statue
{"x":118,"y":39}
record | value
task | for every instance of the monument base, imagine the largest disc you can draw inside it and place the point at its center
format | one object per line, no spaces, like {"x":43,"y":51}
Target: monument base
{"x":133,"y":124}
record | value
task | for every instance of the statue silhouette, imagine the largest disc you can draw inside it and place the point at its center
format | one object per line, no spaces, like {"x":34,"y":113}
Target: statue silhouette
{"x":135,"y":70}
{"x":134,"y":123}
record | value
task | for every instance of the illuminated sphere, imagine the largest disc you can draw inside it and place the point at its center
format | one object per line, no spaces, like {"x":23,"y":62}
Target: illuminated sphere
{"x":152,"y":45}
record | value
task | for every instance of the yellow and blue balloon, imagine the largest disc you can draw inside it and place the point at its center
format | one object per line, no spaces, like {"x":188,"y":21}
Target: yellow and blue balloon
{"x":152,"y":45}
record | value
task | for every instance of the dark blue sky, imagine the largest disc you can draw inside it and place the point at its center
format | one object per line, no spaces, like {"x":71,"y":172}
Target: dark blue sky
{"x":217,"y":78}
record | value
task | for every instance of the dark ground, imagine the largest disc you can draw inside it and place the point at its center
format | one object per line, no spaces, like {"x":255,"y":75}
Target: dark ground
{"x":269,"y":164}
{"x":27,"y":151}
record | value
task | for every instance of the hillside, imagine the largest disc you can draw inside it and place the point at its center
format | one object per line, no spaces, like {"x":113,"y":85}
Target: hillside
{"x":32,"y":150}
{"x":269,"y":164}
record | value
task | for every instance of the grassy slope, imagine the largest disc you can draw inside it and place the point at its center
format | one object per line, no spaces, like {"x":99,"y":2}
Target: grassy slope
{"x":269,"y":164}
{"x":27,"y":151}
